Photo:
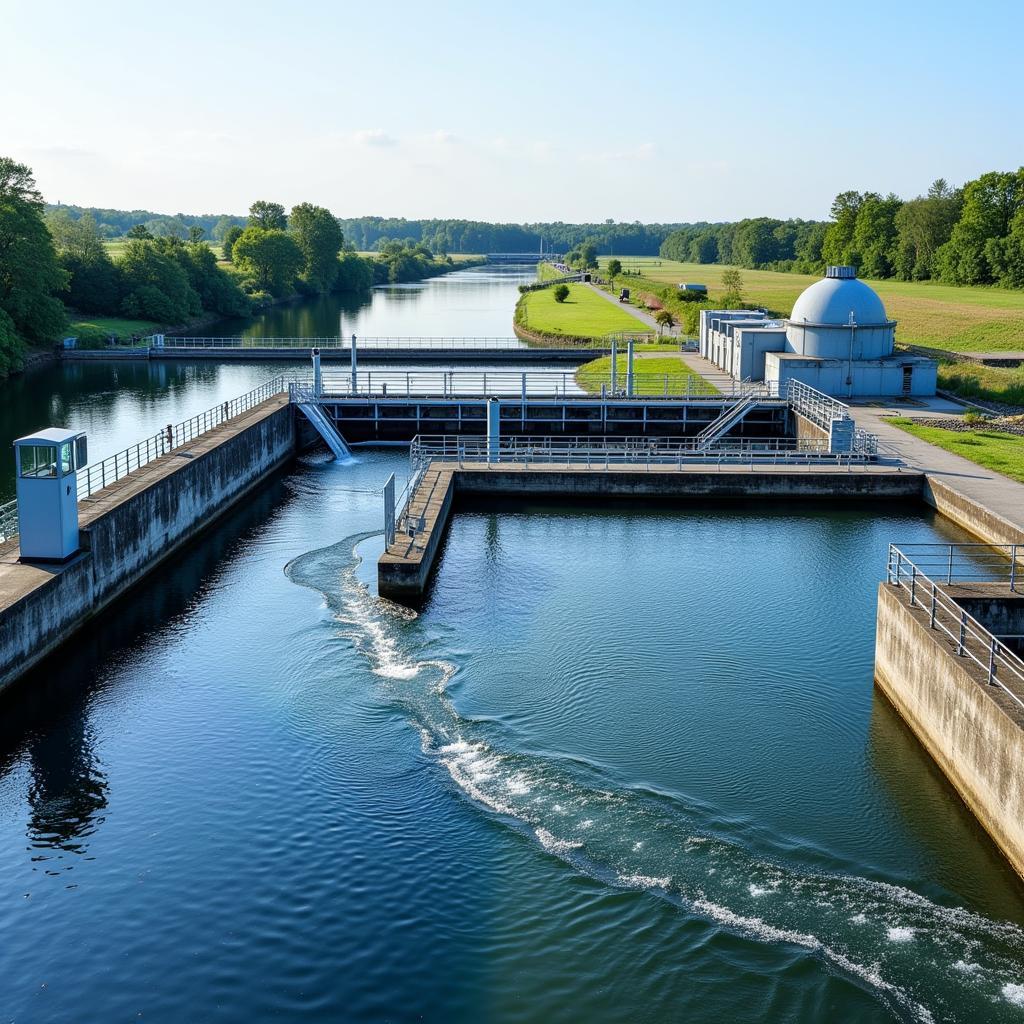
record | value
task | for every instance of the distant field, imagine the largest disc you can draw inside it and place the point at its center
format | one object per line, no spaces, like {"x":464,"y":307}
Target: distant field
{"x":940,"y":316}
{"x":116,"y":247}
{"x":584,"y":314}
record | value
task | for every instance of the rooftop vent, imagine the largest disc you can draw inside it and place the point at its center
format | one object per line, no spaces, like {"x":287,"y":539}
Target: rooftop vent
{"x":841,"y":273}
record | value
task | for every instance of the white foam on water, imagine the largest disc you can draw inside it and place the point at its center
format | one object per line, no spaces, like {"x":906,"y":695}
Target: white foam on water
{"x":555,"y":845}
{"x":966,"y":968}
{"x":859,"y":919}
{"x":759,"y":929}
{"x":518,"y":785}
{"x":1013,"y":993}
{"x":645,"y":881}
{"x":759,"y":890}
{"x":586,"y":823}
{"x":898,"y":934}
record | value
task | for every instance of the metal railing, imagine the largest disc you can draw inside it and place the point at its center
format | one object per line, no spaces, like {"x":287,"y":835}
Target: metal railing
{"x":95,"y":477}
{"x":967,"y":563}
{"x":531,"y":384}
{"x":970,"y":639}
{"x":641,"y":452}
{"x":814,"y":405}
{"x":302,"y":345}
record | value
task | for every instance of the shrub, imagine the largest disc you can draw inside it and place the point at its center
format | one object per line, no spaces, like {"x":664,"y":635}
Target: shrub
{"x":973,"y":419}
{"x":561,"y":292}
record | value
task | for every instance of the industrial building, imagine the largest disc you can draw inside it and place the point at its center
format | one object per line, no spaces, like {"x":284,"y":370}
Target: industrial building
{"x":837,"y":339}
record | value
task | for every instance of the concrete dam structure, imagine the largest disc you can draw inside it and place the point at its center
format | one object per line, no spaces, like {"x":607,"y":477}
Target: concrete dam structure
{"x":947,"y":657}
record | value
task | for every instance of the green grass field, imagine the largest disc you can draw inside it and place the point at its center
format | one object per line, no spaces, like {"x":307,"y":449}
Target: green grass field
{"x":654,"y":375}
{"x":992,"y":449}
{"x":584,"y":314}
{"x":935,"y":315}
{"x":97,"y":330}
{"x":116,"y":247}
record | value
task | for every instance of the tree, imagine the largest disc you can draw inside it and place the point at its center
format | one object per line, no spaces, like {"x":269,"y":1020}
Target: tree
{"x":561,"y":292}
{"x":269,"y":216}
{"x":838,"y":248}
{"x":156,"y":285}
{"x":29,"y":272}
{"x":272,"y":257}
{"x":875,"y":235}
{"x":923,"y":225}
{"x":588,"y":254}
{"x":94,"y":283}
{"x":732,"y":282}
{"x":614,"y":268}
{"x":231,"y":236}
{"x":139,"y":231}
{"x":663,"y":318}
{"x":196,"y":233}
{"x":318,"y":234}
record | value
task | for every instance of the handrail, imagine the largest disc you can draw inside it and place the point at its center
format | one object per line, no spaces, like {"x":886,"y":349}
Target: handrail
{"x":647,"y":452}
{"x":971,"y":639}
{"x":343,"y":343}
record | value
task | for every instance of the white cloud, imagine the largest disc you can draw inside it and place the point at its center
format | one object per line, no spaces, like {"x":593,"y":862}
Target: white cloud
{"x":445,"y":138}
{"x":374,"y":137}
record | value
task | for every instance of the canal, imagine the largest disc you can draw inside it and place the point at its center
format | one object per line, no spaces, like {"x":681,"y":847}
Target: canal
{"x":626,"y":764}
{"x":121,"y":402}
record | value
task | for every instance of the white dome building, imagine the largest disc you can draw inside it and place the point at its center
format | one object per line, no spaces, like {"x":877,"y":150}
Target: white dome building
{"x":838,"y":339}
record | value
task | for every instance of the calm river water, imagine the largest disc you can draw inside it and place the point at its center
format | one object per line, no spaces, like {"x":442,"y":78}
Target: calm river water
{"x":627,"y":764}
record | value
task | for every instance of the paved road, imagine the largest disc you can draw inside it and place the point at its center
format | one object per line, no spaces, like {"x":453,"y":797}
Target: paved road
{"x":997,"y":492}
{"x":644,"y":317}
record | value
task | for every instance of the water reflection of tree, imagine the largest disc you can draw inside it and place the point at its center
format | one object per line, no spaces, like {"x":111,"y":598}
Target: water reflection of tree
{"x":68,"y":789}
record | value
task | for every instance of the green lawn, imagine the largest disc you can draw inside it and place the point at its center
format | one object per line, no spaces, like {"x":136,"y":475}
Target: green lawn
{"x":936,"y":315}
{"x":992,"y":449}
{"x":546,"y":272}
{"x":650,"y":374}
{"x":584,"y":314}
{"x":97,"y":330}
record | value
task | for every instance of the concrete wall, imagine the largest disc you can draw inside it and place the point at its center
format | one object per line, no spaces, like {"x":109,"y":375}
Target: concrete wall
{"x":973,"y":731}
{"x":134,"y":534}
{"x":877,"y":377}
{"x":972,"y":516}
{"x":696,"y":484}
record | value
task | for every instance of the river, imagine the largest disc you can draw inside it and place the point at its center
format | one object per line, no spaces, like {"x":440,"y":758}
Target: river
{"x":626,"y":764}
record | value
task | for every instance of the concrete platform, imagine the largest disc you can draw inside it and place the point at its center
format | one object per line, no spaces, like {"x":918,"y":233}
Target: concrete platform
{"x":404,"y":569}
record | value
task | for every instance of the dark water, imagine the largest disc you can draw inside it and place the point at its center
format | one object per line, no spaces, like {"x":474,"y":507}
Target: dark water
{"x":473,"y":303}
{"x":627,"y":764}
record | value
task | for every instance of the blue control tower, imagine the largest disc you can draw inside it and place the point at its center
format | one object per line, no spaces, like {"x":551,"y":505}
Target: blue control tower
{"x":47,"y":487}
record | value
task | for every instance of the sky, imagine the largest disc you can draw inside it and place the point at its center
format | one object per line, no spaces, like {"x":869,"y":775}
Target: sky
{"x":658,"y":112}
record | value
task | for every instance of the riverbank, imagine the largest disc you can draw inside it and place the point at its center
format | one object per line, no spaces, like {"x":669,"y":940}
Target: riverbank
{"x":582,"y":317}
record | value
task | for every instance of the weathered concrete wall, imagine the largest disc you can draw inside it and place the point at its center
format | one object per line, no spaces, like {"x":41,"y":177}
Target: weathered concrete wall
{"x":804,"y":428}
{"x":132,"y":527}
{"x":974,"y":731}
{"x":972,"y":516}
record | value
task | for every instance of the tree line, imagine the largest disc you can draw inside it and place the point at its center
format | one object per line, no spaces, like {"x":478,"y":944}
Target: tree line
{"x":53,"y":262}
{"x":973,"y":235}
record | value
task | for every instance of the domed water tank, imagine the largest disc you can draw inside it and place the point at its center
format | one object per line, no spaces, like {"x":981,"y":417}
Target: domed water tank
{"x":837,"y":312}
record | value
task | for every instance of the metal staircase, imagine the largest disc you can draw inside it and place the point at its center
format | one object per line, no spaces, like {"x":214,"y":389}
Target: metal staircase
{"x":731,"y":415}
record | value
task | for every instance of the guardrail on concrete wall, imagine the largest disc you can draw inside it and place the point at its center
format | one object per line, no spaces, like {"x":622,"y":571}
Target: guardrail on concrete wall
{"x":962,"y":563}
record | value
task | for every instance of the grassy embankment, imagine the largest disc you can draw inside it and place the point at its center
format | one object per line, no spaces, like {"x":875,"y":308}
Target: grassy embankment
{"x":546,"y":272}
{"x":653,"y":375}
{"x":584,"y":314}
{"x":929,"y":315}
{"x":992,"y":449}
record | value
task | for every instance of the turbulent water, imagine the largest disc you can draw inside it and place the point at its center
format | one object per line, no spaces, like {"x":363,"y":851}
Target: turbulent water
{"x":921,"y":959}
{"x":626,"y":763}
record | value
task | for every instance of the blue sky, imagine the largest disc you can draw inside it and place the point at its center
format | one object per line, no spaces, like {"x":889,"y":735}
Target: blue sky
{"x":528,"y":111}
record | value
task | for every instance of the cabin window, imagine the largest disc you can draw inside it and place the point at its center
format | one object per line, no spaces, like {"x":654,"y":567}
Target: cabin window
{"x":37,"y":460}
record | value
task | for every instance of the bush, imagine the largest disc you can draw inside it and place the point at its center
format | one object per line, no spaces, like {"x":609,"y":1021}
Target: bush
{"x":973,"y":419}
{"x":561,"y":292}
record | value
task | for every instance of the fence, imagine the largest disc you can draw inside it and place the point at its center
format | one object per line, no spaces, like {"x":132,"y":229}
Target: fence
{"x":303,"y":345}
{"x":963,"y":563}
{"x":533,"y":384}
{"x":640,"y":452}
{"x":814,"y":405}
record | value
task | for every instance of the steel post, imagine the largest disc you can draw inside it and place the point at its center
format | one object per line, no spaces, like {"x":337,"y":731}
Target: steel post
{"x":629,"y":368}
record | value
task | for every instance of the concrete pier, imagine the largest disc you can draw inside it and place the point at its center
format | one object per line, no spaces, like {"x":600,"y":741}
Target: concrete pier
{"x":131,"y":526}
{"x":972,"y":729}
{"x":404,"y":569}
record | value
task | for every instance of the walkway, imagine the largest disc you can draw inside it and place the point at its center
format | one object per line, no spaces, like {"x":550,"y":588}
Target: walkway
{"x":644,"y":317}
{"x":1002,"y":495}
